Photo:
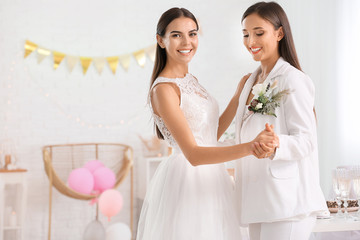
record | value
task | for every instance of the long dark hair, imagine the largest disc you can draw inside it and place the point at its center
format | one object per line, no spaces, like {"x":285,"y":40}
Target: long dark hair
{"x":275,"y":14}
{"x":160,"y":56}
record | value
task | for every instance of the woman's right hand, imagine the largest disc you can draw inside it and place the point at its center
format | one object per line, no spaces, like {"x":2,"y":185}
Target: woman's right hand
{"x":265,"y":143}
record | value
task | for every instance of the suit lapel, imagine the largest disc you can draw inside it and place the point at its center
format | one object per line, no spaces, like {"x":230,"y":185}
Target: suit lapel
{"x":246,"y":91}
{"x":276,"y":69}
{"x":242,"y":103}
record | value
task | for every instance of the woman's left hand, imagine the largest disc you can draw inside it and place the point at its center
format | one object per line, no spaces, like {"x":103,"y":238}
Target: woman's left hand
{"x":260,"y":150}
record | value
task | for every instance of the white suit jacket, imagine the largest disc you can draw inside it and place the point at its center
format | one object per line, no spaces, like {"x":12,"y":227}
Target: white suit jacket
{"x":286,"y":187}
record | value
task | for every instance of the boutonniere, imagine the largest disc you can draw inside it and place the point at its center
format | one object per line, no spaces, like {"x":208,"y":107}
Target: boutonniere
{"x":266,"y":98}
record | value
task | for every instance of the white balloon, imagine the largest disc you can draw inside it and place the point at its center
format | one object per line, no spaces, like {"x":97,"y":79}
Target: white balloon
{"x":118,"y":231}
{"x":94,"y":231}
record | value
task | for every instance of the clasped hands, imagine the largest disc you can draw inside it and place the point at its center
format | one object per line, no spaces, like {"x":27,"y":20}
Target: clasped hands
{"x":265,"y":143}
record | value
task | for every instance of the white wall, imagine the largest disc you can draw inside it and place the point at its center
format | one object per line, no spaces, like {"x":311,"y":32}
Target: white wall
{"x":106,"y":28}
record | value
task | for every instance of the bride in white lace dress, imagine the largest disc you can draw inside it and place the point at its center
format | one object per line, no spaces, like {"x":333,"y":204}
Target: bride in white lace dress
{"x":190,"y":195}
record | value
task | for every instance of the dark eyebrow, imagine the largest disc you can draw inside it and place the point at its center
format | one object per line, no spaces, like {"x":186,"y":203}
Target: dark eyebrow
{"x":255,"y":28}
{"x":194,"y":30}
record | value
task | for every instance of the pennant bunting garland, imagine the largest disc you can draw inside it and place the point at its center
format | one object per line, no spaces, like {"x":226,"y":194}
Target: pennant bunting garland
{"x":125,"y":61}
{"x":151,"y":52}
{"x":85,"y":63}
{"x":140,"y":57}
{"x":42,"y":53}
{"x":113,"y":63}
{"x":29,"y":48}
{"x":71,"y":61}
{"x":58,"y":57}
{"x":99,"y":62}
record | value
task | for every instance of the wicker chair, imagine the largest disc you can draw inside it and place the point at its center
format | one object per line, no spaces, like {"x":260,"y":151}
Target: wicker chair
{"x":60,"y":160}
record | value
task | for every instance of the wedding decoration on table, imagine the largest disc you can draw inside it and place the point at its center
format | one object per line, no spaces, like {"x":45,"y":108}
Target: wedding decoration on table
{"x":85,"y":61}
{"x":343,"y":179}
{"x":93,"y":171}
{"x":266,"y":98}
{"x":356,"y":187}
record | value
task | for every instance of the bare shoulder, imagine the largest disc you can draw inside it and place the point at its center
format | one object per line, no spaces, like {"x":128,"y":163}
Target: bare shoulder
{"x":164,"y":96}
{"x":165,"y":90}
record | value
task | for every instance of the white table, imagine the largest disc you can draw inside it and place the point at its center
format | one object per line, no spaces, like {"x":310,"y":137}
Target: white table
{"x":16,"y":179}
{"x":336,"y":225}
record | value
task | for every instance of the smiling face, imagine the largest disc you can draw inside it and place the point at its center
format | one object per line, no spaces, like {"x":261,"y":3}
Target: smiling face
{"x":261,"y":39}
{"x":180,"y":40}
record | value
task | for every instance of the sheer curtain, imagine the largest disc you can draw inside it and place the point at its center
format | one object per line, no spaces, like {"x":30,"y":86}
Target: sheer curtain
{"x":341,"y":104}
{"x":348,"y":63}
{"x":332,"y":61}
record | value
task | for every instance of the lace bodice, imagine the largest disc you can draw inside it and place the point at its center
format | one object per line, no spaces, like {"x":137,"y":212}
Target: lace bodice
{"x":199,"y":108}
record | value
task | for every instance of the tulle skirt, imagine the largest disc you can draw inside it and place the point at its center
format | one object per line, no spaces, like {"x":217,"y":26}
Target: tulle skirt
{"x":184,"y":202}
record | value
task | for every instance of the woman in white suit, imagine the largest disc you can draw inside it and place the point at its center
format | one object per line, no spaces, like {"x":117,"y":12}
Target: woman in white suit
{"x":278,"y":194}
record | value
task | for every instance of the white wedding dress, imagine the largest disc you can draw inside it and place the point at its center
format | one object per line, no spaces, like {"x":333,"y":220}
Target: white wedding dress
{"x":184,"y":202}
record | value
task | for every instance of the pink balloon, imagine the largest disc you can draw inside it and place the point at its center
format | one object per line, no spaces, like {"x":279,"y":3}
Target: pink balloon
{"x":110,"y":203}
{"x":93,"y":165}
{"x":104,"y":179}
{"x":81,"y":180}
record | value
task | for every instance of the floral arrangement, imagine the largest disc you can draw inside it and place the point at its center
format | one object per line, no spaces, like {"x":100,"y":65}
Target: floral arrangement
{"x":266,"y":98}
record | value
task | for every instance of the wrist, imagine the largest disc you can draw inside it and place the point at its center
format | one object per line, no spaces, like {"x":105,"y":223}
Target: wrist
{"x":249,"y":149}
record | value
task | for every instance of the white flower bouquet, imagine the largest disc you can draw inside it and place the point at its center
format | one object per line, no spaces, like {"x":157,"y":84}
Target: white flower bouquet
{"x":266,"y":98}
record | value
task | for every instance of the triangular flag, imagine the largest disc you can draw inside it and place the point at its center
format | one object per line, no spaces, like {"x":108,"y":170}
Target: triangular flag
{"x":113,"y":63}
{"x":85,"y":63}
{"x":58,"y":57}
{"x":42,"y":53}
{"x":125,"y":61}
{"x":29,"y":48}
{"x":151,"y":51}
{"x":99,"y":63}
{"x":140,"y":57}
{"x":72,"y":61}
